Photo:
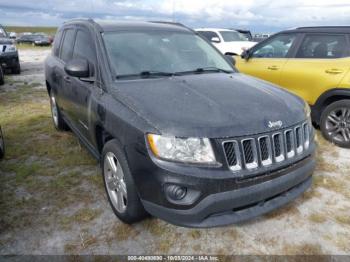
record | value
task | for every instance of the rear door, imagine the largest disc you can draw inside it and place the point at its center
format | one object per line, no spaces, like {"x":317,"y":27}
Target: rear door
{"x":319,"y":64}
{"x":81,"y":90}
{"x":65,"y":54}
{"x":268,"y":58}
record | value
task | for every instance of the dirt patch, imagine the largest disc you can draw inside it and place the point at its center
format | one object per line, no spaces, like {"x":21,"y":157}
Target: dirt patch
{"x":53,"y":202}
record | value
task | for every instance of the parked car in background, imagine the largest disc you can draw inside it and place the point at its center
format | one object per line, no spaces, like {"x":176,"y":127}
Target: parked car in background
{"x":260,"y":37}
{"x":226,"y":40}
{"x":2,"y":79}
{"x":247,"y":34}
{"x":25,"y":39}
{"x":2,"y":144}
{"x":13,"y":35}
{"x":179,"y":133}
{"x":41,"y":40}
{"x":8,"y":53}
{"x":314,"y":63}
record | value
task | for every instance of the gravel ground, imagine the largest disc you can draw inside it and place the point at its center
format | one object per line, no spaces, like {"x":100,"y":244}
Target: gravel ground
{"x":53,"y":202}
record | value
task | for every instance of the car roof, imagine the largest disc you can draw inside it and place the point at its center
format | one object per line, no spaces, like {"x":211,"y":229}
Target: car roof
{"x":214,"y":29}
{"x":130,"y":25}
{"x":320,"y":29}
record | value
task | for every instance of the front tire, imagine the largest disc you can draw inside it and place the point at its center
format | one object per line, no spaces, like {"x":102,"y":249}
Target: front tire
{"x":119,"y":184}
{"x":57,"y":119}
{"x":335,"y":123}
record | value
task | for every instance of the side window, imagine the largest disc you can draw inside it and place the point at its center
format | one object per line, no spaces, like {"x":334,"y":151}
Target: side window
{"x":322,"y":46}
{"x":67,"y":46}
{"x":209,"y":35}
{"x":276,"y":47}
{"x":84,"y":47}
{"x":56,"y":43}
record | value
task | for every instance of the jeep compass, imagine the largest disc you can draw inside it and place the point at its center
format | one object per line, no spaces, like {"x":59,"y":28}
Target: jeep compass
{"x":179,"y":133}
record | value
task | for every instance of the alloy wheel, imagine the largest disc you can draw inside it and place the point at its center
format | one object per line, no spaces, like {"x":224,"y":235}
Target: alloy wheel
{"x":338,"y":124}
{"x":115,"y":184}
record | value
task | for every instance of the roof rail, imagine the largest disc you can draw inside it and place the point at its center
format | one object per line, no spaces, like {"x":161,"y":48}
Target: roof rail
{"x":172,"y":23}
{"x":326,"y":26}
{"x":80,"y":19}
{"x":168,"y":23}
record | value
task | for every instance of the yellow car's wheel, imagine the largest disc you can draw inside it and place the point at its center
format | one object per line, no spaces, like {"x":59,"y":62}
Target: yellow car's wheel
{"x":335,"y":123}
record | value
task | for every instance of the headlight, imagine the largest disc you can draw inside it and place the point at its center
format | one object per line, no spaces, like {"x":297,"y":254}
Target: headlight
{"x":189,"y":150}
{"x":307,"y":110}
{"x":10,"y":48}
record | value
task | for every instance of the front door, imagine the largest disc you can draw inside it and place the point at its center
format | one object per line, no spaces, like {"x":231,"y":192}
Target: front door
{"x":267,"y":59}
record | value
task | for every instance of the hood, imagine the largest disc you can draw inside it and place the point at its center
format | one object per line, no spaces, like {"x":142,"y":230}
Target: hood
{"x":5,"y":41}
{"x":213,"y":105}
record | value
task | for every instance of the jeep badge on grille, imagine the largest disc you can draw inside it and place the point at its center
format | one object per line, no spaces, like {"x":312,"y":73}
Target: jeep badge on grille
{"x":275,"y":124}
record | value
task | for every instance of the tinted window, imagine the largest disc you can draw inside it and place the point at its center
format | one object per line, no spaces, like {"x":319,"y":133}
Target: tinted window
{"x":56,"y":43}
{"x":208,"y":34}
{"x":67,"y":46}
{"x":84,"y":47}
{"x":232,"y":36}
{"x":277,"y":47}
{"x":322,"y":46}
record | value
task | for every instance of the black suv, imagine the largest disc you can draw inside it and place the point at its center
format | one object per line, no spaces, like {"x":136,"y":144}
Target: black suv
{"x":8,"y":53}
{"x":179,"y":133}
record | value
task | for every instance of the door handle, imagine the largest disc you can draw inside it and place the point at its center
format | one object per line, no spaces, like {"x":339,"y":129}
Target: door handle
{"x":334,"y":71}
{"x":67,"y":79}
{"x":273,"y":67}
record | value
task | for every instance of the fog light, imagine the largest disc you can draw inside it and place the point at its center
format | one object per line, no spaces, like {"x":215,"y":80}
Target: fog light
{"x":176,"y":192}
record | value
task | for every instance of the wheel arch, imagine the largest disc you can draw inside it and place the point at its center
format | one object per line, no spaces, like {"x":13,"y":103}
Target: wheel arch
{"x":326,"y":99}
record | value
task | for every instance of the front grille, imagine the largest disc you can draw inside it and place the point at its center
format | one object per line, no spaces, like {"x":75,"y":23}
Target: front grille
{"x":275,"y":147}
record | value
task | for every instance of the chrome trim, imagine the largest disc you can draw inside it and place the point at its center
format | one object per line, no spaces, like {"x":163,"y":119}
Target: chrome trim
{"x":300,"y":148}
{"x":291,"y":153}
{"x":254,"y":164}
{"x":306,"y":135}
{"x":279,"y":158}
{"x":267,"y":161}
{"x":238,"y":166}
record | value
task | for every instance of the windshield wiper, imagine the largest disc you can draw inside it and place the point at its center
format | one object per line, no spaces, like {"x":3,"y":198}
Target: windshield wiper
{"x":205,"y":69}
{"x":146,"y":74}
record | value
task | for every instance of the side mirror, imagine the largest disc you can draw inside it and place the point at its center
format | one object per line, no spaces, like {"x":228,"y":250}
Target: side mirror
{"x":245,"y":54}
{"x":230,"y":59}
{"x":77,"y":68}
{"x":215,"y":39}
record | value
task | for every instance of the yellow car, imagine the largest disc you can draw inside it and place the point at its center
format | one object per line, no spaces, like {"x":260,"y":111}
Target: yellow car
{"x":314,"y":63}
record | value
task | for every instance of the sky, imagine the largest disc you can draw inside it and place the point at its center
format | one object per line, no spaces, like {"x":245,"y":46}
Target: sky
{"x":267,"y":16}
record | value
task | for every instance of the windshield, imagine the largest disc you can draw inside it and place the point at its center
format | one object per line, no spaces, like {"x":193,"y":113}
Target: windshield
{"x":134,"y":53}
{"x":232,"y":36}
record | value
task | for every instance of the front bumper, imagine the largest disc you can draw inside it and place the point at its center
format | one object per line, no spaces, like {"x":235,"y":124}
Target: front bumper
{"x":235,"y":206}
{"x":9,"y":59}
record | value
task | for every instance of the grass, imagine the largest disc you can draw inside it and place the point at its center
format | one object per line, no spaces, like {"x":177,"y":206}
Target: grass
{"x":41,"y":161}
{"x":37,"y":29}
{"x":24,"y":46}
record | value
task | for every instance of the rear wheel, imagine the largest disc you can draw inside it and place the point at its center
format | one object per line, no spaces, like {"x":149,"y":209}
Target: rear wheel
{"x":57,"y":119}
{"x":335,"y":123}
{"x":119,"y":184}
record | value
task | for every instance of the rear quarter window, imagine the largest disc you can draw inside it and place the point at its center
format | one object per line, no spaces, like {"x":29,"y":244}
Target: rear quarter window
{"x":320,"y":46}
